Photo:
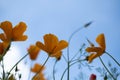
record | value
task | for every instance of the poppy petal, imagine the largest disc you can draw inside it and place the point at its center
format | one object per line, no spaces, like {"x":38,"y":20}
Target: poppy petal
{"x":18,"y":31}
{"x":2,"y":37}
{"x":41,"y":46}
{"x":57,"y":55}
{"x":37,"y":67}
{"x":6,"y":26}
{"x":101,"y":41}
{"x":21,"y":38}
{"x":1,"y":48}
{"x":33,"y":52}
{"x":91,"y":57}
{"x":93,"y":49}
{"x":50,"y":41}
{"x":61,"y":45}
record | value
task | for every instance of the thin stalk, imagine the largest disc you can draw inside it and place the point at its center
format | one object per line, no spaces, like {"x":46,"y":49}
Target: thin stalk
{"x":74,"y":56}
{"x":41,"y":68}
{"x":75,"y":61}
{"x":30,"y":71}
{"x":113,"y":58}
{"x":68,"y":63}
{"x":3,"y":75}
{"x":16,"y":64}
{"x":54,"y":70}
{"x":64,"y":57}
{"x":106,"y":68}
{"x":66,"y":70}
{"x":77,"y":30}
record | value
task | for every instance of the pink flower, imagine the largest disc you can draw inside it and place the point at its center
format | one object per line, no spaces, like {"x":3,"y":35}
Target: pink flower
{"x":92,"y":77}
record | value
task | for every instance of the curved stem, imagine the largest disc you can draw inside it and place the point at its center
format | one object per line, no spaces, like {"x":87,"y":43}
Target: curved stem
{"x":75,"y":61}
{"x":113,"y":58}
{"x":30,"y":71}
{"x":77,"y":30}
{"x":68,"y":63}
{"x":16,"y":64}
{"x":64,"y":57}
{"x":41,"y":68}
{"x":106,"y":68}
{"x":54,"y":70}
{"x":74,"y":56}
{"x":3,"y":74}
{"x":66,"y":70}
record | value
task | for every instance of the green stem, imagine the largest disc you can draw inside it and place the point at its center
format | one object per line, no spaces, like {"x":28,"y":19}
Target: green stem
{"x":66,"y":70}
{"x":54,"y":70}
{"x":77,"y":30}
{"x":68,"y":63}
{"x":30,"y":71}
{"x":16,"y":64}
{"x":3,"y":75}
{"x":113,"y":58}
{"x":106,"y":68}
{"x":75,"y":61}
{"x":41,"y":68}
{"x":64,"y":57}
{"x":74,"y":56}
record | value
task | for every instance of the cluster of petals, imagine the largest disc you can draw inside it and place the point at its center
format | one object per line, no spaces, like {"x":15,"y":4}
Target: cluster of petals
{"x":13,"y":33}
{"x":52,"y":45}
{"x":10,"y":34}
{"x":33,"y":51}
{"x":96,"y":51}
{"x":38,"y":69}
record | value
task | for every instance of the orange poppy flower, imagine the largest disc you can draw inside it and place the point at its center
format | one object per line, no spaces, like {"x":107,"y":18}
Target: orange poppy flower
{"x":33,"y":51}
{"x":40,"y":76}
{"x":36,"y":69}
{"x":13,"y":34}
{"x":97,"y":51}
{"x":52,"y":45}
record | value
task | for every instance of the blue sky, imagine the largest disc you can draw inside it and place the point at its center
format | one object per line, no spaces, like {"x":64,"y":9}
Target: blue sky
{"x":62,"y":17}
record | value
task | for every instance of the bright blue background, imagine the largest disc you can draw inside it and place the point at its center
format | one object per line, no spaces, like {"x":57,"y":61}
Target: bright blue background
{"x":62,"y":17}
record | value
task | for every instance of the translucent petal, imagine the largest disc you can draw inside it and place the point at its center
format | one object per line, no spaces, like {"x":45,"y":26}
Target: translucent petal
{"x":57,"y":55}
{"x":61,"y":45}
{"x":20,"y":38}
{"x":18,"y":31}
{"x":6,"y":26}
{"x":37,"y":68}
{"x":101,"y":41}
{"x":94,"y":49}
{"x":92,"y":57}
{"x":2,"y":37}
{"x":41,"y":46}
{"x":50,"y":41}
{"x":33,"y":52}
